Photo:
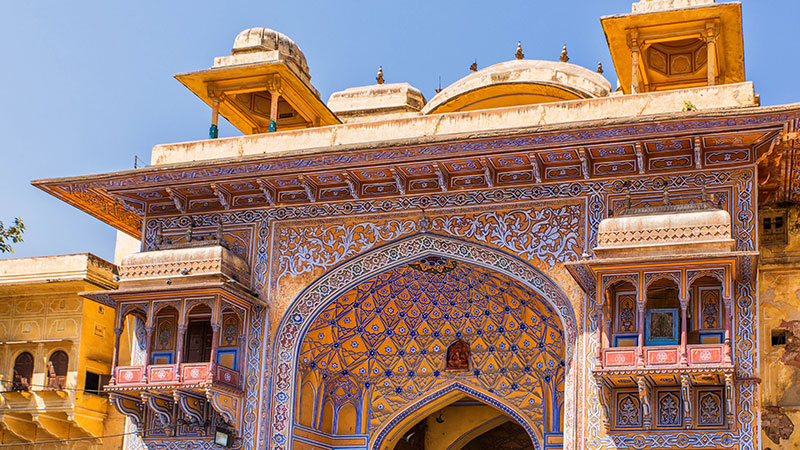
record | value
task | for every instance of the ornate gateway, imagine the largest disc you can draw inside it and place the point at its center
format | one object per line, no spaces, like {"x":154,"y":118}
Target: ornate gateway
{"x":541,"y":266}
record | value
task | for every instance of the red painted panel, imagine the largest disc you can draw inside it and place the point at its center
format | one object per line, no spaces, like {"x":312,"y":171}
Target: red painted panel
{"x":227,"y":376}
{"x":162,"y":373}
{"x":129,"y":375}
{"x":661,"y":356}
{"x":619,"y":357}
{"x":194,"y":373}
{"x":705,"y":354}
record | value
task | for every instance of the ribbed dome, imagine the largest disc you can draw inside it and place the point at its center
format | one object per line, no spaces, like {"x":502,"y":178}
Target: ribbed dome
{"x":516,"y":83}
{"x":257,"y":40}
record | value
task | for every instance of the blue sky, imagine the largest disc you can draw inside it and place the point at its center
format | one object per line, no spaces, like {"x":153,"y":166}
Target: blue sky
{"x":88,"y":85}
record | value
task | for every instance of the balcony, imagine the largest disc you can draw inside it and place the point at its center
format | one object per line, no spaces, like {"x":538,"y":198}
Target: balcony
{"x":187,"y":375}
{"x":663,"y":356}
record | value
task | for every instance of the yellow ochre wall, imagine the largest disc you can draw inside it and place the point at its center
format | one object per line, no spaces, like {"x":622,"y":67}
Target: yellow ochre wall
{"x":779,"y":313}
{"x":41,"y":312}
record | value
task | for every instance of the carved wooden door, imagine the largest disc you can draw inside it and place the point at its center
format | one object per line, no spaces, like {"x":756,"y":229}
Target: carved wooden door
{"x":198,"y":342}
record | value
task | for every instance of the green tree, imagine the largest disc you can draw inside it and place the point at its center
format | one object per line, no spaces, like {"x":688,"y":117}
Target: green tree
{"x":11,"y":235}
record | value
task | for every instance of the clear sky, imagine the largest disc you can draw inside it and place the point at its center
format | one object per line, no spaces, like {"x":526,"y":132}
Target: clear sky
{"x":88,"y":85}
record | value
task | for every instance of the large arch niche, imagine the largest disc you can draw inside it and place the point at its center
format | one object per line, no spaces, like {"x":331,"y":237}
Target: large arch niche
{"x":519,"y":376}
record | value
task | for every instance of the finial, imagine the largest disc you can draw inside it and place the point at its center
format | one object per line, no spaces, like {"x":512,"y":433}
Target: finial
{"x":564,"y":58}
{"x":474,"y":66}
{"x":379,"y":78}
{"x":519,"y":53}
{"x":439,"y":89}
{"x":600,"y":68}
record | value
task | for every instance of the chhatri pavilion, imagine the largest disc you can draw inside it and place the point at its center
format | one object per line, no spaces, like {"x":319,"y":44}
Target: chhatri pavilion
{"x":531,"y":259}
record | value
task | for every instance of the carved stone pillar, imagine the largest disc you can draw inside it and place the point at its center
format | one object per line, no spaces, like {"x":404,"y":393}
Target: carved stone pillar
{"x":711,"y":46}
{"x":115,"y":357}
{"x":634,"y":45}
{"x":179,"y":344}
{"x":148,"y":351}
{"x":213,"y":132}
{"x":214,"y":343}
{"x":600,"y":325}
{"x":640,"y":343}
{"x":684,"y":334}
{"x":728,"y":347}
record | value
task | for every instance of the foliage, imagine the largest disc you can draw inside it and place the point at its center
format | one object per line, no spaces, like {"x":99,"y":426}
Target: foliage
{"x":11,"y":235}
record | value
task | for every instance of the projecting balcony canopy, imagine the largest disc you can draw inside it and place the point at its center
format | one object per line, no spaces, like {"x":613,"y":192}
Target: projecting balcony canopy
{"x":348,"y":162}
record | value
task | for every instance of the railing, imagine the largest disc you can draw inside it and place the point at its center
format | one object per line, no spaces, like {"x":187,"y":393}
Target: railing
{"x":697,"y":355}
{"x":176,"y":374}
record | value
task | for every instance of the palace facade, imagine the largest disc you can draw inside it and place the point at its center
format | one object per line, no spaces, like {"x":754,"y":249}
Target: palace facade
{"x":531,"y":259}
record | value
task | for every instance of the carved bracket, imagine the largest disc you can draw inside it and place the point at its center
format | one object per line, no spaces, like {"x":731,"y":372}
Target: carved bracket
{"x":162,"y":407}
{"x":131,"y":407}
{"x":644,"y":398}
{"x":686,"y":399}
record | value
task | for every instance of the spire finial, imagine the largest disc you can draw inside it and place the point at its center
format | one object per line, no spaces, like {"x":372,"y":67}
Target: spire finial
{"x":474,"y":66}
{"x":379,"y":78}
{"x":564,"y":58}
{"x":600,"y":68}
{"x":439,"y":89}
{"x":519,"y":53}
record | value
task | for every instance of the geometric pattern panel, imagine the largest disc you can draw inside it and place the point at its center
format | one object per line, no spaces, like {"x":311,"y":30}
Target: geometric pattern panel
{"x":386,"y":340}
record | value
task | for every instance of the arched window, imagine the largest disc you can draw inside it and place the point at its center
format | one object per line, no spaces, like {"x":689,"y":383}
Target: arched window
{"x":23,"y":372}
{"x":57,"y":366}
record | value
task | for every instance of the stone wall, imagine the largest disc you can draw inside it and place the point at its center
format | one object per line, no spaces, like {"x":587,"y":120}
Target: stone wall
{"x":779,"y":294}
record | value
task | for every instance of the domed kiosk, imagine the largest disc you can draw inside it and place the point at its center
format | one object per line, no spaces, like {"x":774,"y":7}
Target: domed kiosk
{"x":264,"y":85}
{"x":517,"y":83}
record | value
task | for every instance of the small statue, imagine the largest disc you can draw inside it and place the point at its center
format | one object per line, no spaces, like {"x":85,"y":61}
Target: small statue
{"x":458,"y":356}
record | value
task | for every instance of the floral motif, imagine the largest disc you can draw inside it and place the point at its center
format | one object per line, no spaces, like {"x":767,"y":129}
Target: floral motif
{"x":630,"y":415}
{"x":710,"y":409}
{"x":669,"y":413}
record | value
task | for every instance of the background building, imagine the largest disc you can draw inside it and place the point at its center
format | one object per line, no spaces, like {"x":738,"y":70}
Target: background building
{"x":56,"y":352}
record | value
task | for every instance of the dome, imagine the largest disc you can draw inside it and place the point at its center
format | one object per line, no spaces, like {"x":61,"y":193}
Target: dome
{"x":665,"y":230}
{"x":519,"y":82}
{"x":256,"y":45}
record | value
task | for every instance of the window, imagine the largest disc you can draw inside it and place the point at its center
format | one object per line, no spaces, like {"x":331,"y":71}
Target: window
{"x":23,"y":372}
{"x":773,"y":226}
{"x":778,"y":338}
{"x":57,"y":366}
{"x":95,"y":383}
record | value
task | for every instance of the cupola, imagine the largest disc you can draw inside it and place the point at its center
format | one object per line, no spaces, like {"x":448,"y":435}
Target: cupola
{"x":676,"y":44}
{"x":264,"y":85}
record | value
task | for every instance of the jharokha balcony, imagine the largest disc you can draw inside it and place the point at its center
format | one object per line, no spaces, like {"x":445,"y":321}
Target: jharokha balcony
{"x":182,"y":308}
{"x":662,"y":284}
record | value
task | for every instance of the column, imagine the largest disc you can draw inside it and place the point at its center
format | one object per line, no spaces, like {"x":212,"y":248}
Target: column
{"x":273,"y":110}
{"x":148,"y":351}
{"x":728,"y":349}
{"x":214,"y":340}
{"x":179,"y":344}
{"x":684,"y":305}
{"x":600,"y":325}
{"x":711,"y":47}
{"x":115,"y":357}
{"x":640,"y":346}
{"x":213,"y":132}
{"x":634,"y":45}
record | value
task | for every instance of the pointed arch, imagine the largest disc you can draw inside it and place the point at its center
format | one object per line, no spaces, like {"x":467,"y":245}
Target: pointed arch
{"x":315,"y":297}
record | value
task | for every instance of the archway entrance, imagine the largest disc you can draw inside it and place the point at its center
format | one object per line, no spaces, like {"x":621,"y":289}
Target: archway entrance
{"x":417,"y":329}
{"x":465,"y":424}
